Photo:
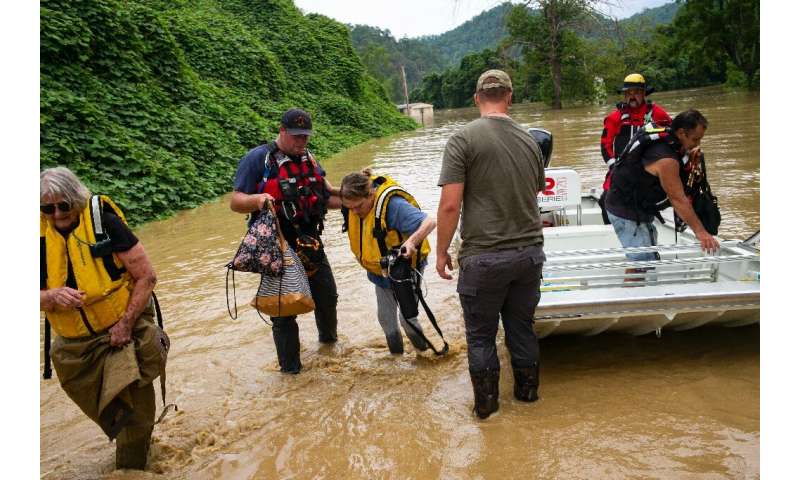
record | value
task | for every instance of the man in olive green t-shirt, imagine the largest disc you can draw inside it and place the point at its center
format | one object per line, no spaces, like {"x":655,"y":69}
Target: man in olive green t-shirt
{"x":496,"y":169}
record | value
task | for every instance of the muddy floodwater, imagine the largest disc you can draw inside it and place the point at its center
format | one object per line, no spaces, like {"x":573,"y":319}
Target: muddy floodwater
{"x":685,"y":405}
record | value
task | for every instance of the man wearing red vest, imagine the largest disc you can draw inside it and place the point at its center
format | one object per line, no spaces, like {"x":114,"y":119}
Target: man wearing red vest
{"x":621,"y":124}
{"x":285,"y":172}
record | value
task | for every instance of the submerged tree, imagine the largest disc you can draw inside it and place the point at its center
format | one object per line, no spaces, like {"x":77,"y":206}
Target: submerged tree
{"x":547,"y":31}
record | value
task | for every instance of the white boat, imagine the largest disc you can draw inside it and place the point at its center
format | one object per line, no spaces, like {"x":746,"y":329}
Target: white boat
{"x":584,"y":289}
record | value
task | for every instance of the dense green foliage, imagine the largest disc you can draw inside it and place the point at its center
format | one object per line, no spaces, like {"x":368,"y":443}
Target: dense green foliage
{"x":704,"y":43}
{"x":548,"y":34}
{"x":454,"y":87}
{"x":720,"y":31}
{"x":154,"y":102}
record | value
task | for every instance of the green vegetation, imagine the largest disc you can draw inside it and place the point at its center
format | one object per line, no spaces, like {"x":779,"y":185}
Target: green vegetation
{"x":569,"y":53}
{"x":383,"y":56}
{"x":454,"y":87}
{"x":154,"y":102}
{"x":720,"y":31}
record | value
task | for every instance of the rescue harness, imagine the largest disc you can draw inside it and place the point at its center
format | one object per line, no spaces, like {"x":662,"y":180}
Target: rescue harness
{"x":297,"y":187}
{"x":633,"y":184}
{"x":629,"y":126}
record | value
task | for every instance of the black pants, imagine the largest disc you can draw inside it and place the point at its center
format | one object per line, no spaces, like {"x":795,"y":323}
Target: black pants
{"x":501,"y":284}
{"x":285,"y":331}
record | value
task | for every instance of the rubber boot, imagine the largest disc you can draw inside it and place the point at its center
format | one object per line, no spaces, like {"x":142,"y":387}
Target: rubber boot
{"x":526,"y":383}
{"x":485,"y":385}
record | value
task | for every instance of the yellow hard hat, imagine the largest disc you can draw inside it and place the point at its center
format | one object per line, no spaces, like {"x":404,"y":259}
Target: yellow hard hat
{"x":636,"y":80}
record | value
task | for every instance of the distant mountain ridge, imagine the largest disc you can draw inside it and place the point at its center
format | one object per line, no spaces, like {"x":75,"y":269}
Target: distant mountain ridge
{"x":383,"y":54}
{"x":484,"y":30}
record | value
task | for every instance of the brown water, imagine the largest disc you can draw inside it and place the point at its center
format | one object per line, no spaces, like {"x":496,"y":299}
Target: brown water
{"x":612,"y":406}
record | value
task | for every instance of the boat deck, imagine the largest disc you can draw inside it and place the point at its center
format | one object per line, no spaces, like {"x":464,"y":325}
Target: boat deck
{"x":588,"y":286}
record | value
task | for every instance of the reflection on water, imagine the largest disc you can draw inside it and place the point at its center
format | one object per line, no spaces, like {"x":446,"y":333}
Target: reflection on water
{"x":611,"y":406}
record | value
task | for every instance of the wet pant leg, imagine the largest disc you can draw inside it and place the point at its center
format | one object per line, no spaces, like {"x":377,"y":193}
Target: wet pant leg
{"x":133,"y":442}
{"x":506,"y":281}
{"x":517,"y":314}
{"x":482,"y":296}
{"x":287,"y":343}
{"x":387,"y":317}
{"x":323,"y":291}
{"x":635,"y":234}
{"x":415,"y":338}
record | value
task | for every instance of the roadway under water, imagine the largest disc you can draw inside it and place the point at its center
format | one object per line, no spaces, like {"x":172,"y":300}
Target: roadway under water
{"x":612,"y":406}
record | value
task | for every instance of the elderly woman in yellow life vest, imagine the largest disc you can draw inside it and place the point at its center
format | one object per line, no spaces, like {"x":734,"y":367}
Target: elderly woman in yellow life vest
{"x":384,"y":221}
{"x":95,"y":289}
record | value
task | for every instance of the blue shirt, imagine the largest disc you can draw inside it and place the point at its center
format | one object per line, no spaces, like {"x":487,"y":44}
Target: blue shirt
{"x":250,"y":174}
{"x":405,"y":218}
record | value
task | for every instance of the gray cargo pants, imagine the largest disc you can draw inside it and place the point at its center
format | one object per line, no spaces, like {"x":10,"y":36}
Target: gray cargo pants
{"x":388,"y":316}
{"x":504,"y":284}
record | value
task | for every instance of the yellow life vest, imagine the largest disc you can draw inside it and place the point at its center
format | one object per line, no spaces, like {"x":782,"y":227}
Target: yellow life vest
{"x":361,"y":232}
{"x":103,"y":278}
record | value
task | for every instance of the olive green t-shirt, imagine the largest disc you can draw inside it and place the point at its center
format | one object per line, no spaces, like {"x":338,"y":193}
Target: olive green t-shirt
{"x":502,"y":170}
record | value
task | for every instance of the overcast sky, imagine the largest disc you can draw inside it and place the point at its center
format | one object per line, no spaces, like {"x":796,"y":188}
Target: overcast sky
{"x":414,"y":18}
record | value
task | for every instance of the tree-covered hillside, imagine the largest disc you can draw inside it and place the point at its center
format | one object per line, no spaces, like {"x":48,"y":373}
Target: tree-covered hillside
{"x":640,"y":26}
{"x":483,"y":31}
{"x":433,"y":55}
{"x":383,"y":55}
{"x":155,"y":101}
{"x":586,"y":58}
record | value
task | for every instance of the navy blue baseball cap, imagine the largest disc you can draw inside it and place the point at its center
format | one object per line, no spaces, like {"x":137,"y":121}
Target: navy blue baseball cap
{"x":296,"y":122}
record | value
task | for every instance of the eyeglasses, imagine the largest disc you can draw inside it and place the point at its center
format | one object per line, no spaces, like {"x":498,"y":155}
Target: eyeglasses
{"x":50,"y":208}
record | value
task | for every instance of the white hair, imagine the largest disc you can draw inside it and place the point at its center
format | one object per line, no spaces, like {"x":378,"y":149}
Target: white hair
{"x":61,"y":182}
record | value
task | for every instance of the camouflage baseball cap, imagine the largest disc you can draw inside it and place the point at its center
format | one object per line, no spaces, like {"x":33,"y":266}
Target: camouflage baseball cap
{"x":493,"y":79}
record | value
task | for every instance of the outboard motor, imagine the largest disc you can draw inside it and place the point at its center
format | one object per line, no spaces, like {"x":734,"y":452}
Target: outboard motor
{"x":545,"y":141}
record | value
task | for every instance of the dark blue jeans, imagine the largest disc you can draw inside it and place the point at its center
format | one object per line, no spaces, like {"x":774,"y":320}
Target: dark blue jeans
{"x":285,"y":331}
{"x":501,"y":284}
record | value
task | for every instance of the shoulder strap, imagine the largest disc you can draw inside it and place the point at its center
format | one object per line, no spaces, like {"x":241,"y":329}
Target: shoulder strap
{"x":311,"y":158}
{"x":381,"y":204}
{"x":96,"y":211}
{"x":48,"y":370}
{"x":43,"y":262}
{"x":345,"y":217}
{"x":101,"y":247}
{"x":648,"y":117}
{"x":418,"y":290}
{"x":268,"y":160}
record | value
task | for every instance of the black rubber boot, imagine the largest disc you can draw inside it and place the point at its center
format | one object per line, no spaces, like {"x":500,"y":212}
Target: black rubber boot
{"x":526,"y":383}
{"x":485,"y":385}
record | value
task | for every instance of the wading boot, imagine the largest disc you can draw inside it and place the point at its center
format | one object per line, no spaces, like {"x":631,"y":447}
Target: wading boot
{"x":486,"y":389}
{"x":526,"y":383}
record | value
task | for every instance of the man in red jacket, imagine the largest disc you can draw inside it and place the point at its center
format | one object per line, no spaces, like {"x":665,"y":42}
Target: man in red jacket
{"x":620,"y":125}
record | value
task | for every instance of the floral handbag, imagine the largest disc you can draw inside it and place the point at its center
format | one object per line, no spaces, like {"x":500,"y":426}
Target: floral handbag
{"x":260,"y":252}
